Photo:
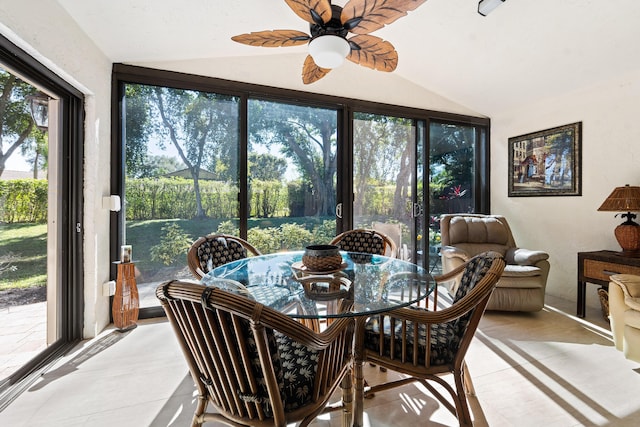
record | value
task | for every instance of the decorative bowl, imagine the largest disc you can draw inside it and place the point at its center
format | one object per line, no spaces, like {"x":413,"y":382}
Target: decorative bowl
{"x":322,"y":258}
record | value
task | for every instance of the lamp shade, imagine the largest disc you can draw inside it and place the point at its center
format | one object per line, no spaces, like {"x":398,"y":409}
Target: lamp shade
{"x":622,"y":199}
{"x":329,"y":51}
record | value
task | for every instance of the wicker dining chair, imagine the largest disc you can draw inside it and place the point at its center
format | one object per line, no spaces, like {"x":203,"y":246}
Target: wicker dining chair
{"x":426,"y":357}
{"x":366,"y":241}
{"x":214,"y":250}
{"x":255,"y":365}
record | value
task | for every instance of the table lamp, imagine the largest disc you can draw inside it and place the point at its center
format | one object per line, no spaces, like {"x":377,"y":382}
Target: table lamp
{"x":627,"y":199}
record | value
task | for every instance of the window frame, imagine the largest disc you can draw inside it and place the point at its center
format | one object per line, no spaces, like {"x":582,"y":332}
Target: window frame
{"x":129,"y":74}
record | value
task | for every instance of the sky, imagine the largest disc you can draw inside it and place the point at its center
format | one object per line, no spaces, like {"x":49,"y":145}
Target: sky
{"x":17,"y":163}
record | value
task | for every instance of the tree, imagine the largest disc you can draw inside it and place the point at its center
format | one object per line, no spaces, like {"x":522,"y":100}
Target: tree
{"x":266,"y":167}
{"x":383,"y":153}
{"x":452,"y":162}
{"x":138,"y":128}
{"x":36,"y":151}
{"x":17,"y":127}
{"x":306,"y":136}
{"x":203,"y":128}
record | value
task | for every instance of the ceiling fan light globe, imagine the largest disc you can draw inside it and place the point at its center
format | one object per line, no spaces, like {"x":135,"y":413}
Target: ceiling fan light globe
{"x":329,"y":51}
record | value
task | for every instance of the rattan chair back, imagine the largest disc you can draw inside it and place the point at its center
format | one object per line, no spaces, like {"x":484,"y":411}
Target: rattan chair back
{"x":214,"y":250}
{"x":426,"y":344}
{"x":366,"y":241}
{"x":255,"y":365}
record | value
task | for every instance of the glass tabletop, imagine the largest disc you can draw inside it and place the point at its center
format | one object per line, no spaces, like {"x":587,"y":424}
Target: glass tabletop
{"x":365,"y":284}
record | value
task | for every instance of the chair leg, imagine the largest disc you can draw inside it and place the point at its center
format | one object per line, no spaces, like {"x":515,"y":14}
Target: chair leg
{"x":468,"y":384}
{"x":347,"y":400}
{"x":462,"y":407}
{"x":198,"y":416}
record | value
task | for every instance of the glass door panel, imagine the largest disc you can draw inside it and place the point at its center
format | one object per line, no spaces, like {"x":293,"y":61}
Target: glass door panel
{"x":452,"y":177}
{"x":181,"y":177}
{"x":29,"y":259}
{"x":292,"y":168}
{"x":384,"y":173}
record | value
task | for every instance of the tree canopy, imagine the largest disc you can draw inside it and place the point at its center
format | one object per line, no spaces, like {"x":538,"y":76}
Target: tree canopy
{"x":18,"y":130}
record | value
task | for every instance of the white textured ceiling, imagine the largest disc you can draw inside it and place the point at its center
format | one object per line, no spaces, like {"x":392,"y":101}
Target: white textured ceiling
{"x":523,"y":52}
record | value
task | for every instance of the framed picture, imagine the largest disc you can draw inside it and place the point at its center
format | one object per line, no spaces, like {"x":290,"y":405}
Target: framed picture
{"x":546,"y":163}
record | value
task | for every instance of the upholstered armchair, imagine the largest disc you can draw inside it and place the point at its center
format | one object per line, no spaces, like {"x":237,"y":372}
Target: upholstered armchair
{"x":524,"y":280}
{"x":624,"y":314}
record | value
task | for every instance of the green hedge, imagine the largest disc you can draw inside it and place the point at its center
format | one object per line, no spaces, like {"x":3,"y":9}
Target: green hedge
{"x":23,"y":200}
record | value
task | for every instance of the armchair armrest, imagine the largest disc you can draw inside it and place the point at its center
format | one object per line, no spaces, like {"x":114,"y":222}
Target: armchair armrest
{"x":630,"y":285}
{"x":525,"y":256}
{"x":452,"y":252}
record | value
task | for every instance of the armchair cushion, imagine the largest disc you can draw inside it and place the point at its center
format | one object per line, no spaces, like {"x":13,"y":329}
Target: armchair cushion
{"x":524,"y":256}
{"x":513,"y":270}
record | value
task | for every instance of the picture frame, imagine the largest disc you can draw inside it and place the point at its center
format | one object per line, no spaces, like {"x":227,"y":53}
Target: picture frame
{"x":547,"y":162}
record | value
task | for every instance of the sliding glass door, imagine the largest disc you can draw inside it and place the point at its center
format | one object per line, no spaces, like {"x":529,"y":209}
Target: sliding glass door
{"x":192,"y":168}
{"x":384,"y":177}
{"x":292,"y":166}
{"x":181,"y":177}
{"x":41,"y":289}
{"x":279,"y":168}
{"x":456,"y":162}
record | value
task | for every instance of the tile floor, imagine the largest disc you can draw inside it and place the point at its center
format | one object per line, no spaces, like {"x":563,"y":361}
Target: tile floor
{"x":23,"y":334}
{"x":540,"y":369}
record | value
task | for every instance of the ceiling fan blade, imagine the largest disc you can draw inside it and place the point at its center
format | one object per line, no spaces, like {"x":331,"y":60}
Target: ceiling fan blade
{"x":366,"y":16}
{"x":273,"y":38}
{"x":311,"y":72}
{"x":374,"y":53}
{"x":311,"y":11}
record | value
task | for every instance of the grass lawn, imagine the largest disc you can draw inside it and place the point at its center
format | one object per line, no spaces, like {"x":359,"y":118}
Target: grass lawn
{"x":143,"y":235}
{"x":23,"y":255}
{"x":23,"y":247}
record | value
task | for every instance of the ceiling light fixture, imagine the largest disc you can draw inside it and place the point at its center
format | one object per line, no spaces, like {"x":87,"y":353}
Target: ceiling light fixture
{"x":329,"y":51}
{"x":485,"y":7}
{"x":39,"y":108}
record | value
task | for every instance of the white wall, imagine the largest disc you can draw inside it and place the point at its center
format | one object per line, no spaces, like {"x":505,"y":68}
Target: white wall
{"x":564,"y":226}
{"x":45,"y":31}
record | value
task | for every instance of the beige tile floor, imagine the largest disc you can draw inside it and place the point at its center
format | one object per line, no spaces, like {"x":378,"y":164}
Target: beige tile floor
{"x":540,"y":369}
{"x":23,"y":334}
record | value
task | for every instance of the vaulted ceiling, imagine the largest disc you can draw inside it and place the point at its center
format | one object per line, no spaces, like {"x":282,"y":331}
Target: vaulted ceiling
{"x":525,"y":51}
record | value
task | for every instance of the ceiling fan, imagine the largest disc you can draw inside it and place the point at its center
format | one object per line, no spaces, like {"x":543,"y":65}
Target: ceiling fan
{"x":329,"y":26}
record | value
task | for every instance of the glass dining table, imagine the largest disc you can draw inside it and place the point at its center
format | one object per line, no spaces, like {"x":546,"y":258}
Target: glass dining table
{"x":363,"y":286}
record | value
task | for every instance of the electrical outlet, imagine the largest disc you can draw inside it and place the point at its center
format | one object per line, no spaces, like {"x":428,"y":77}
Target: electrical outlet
{"x":109,"y":288}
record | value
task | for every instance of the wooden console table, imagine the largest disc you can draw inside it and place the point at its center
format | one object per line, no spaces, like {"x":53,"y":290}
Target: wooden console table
{"x":596,"y":267}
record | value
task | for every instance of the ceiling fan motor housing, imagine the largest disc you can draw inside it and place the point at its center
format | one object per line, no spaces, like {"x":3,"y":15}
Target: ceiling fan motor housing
{"x":334,"y":27}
